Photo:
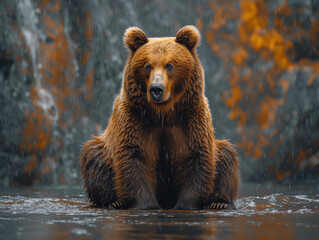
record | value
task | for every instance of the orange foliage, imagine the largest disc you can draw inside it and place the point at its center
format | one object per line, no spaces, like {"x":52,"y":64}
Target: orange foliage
{"x":264,"y":37}
{"x":255,"y":32}
{"x":35,"y":133}
{"x":88,"y":85}
{"x":57,"y":79}
{"x":88,"y":28}
{"x":240,"y":56}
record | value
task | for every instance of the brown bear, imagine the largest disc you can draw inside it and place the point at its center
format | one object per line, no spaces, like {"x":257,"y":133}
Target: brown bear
{"x":158,"y":150}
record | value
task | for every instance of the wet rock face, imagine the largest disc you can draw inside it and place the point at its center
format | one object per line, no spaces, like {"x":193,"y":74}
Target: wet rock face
{"x":61,"y":66}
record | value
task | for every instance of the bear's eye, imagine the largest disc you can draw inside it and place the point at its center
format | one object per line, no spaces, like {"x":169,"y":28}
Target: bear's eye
{"x":169,"y":67}
{"x":148,"y":67}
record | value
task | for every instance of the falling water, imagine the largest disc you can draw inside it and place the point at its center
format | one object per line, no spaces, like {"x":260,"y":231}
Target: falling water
{"x":32,"y":35}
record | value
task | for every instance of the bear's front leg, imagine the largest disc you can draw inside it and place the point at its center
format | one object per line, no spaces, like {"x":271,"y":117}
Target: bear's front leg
{"x":226,"y":179}
{"x":134,"y":179}
{"x":195,"y":168}
{"x":195,"y":181}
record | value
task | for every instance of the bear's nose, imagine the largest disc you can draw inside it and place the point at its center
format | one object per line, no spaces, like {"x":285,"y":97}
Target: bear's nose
{"x":156,"y":91}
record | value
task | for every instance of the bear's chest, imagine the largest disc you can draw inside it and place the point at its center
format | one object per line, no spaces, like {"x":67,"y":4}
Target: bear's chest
{"x":166,"y":144}
{"x":173,"y":141}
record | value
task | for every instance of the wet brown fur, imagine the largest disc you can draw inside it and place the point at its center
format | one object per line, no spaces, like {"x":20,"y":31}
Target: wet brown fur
{"x":160,"y":155}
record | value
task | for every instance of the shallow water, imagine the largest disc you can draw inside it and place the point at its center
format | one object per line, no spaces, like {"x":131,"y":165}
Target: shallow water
{"x":264,"y":211}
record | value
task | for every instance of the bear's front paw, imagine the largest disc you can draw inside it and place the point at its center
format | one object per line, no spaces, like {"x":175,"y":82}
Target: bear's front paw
{"x":131,"y":204}
{"x":147,"y":205}
{"x":118,"y":205}
{"x":186,"y":205}
{"x":218,"y":206}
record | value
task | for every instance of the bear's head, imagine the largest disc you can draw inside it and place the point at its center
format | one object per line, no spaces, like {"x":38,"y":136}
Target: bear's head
{"x":162,"y":68}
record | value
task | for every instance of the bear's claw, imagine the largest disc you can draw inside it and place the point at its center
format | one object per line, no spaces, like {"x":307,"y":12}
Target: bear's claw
{"x":118,"y":205}
{"x":218,"y":206}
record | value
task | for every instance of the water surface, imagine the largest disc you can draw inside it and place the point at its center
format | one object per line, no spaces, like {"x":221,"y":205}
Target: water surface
{"x":264,"y":211}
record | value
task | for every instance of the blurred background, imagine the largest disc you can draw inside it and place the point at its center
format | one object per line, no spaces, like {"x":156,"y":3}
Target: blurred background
{"x":61,"y":65}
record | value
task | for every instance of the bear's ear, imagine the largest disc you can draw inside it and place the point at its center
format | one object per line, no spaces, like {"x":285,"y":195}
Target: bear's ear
{"x":189,"y":36}
{"x":134,"y":38}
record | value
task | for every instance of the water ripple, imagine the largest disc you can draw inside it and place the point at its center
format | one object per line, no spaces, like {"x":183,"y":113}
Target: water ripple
{"x":69,"y":213}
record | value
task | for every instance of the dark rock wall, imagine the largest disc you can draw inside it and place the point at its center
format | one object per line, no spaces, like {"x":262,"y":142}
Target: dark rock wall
{"x":61,"y":64}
